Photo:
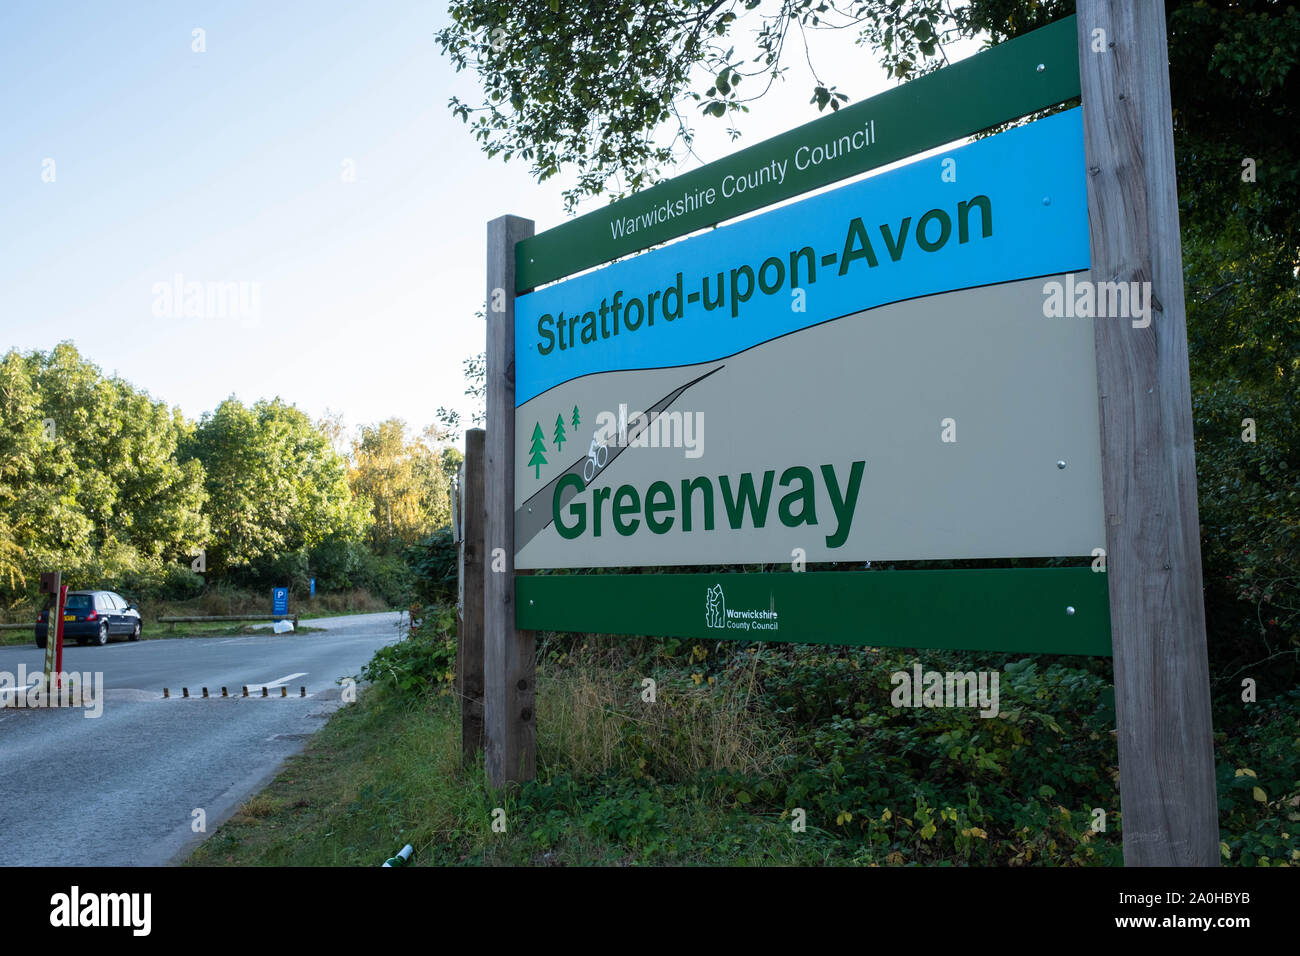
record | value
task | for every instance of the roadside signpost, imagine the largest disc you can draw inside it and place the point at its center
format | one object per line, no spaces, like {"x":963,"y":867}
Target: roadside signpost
{"x":953,"y":359}
{"x":51,"y":583}
{"x":58,"y":642}
{"x":280,"y":602}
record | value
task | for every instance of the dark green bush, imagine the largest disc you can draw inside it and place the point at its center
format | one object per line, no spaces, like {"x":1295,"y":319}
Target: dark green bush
{"x":421,"y":661}
{"x":336,"y":563}
{"x":433,"y":563}
{"x":387,"y":576}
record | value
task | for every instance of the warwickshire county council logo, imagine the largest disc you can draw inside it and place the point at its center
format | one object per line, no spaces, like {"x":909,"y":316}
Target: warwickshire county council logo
{"x":745,"y":619}
{"x":715,"y":607}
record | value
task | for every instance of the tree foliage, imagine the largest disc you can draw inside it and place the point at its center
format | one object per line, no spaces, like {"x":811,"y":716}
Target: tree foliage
{"x":90,"y":480}
{"x":611,"y":93}
{"x":274,"y":481}
{"x":404,"y":481}
{"x":585,"y":86}
{"x":1243,"y":306}
{"x":115,"y":489}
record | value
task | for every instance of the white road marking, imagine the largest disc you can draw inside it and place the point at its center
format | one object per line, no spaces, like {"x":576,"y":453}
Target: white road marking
{"x":282,"y":680}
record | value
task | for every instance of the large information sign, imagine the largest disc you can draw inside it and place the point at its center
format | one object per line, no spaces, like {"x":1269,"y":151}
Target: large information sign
{"x":979,"y":354}
{"x":879,"y":372}
{"x":865,"y":375}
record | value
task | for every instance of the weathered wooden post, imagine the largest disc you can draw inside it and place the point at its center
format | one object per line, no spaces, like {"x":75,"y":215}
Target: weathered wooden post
{"x":52,"y":584}
{"x":1153,"y":556}
{"x":509,"y":655}
{"x":469,"y":642}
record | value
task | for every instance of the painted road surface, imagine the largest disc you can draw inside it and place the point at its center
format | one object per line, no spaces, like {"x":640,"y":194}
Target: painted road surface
{"x":121,"y":789}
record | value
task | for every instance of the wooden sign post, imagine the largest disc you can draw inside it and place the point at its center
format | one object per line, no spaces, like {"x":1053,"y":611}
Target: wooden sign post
{"x":509,"y":655}
{"x":1153,"y":553}
{"x":469,"y":642}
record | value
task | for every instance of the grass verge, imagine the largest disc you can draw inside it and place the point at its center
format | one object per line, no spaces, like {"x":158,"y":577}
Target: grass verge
{"x":380,"y":775}
{"x":719,"y":753}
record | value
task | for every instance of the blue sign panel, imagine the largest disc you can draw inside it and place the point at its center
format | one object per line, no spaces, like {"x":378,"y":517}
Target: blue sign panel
{"x":1006,"y":208}
{"x":279,"y":600}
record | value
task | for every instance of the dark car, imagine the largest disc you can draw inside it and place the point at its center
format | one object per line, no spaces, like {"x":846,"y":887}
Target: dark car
{"x":94,"y":617}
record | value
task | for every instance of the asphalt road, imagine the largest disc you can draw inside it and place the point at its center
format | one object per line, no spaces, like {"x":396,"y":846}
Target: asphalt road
{"x":121,"y":789}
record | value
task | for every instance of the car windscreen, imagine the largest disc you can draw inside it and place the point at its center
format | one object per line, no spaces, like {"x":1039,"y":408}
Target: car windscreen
{"x":78,"y":602}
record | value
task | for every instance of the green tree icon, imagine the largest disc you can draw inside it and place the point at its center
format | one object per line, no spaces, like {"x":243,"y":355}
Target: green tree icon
{"x":576,"y":420}
{"x":558,"y":438}
{"x":536,"y":450}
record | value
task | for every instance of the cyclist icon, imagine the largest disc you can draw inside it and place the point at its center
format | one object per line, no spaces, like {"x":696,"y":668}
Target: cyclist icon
{"x":597,"y":457}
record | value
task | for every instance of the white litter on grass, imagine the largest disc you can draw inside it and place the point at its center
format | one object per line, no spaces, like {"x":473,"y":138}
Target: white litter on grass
{"x":280,"y":627}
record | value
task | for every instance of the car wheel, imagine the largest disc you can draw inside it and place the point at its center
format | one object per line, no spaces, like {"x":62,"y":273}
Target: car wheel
{"x":40,"y":642}
{"x":135,"y":635}
{"x":102,"y":639}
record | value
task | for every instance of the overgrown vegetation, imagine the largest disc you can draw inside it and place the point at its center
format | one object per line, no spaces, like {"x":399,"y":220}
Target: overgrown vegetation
{"x":742,"y":741}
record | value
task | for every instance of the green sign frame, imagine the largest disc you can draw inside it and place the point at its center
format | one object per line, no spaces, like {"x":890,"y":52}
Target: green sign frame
{"x":1020,"y":610}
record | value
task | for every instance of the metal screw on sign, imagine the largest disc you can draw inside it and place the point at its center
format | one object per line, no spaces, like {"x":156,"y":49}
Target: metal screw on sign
{"x":1061,"y":464}
{"x":1070,"y":611}
{"x":1041,"y":68}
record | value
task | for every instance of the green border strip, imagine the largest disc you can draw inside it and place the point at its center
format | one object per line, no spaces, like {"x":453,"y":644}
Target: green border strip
{"x":994,"y":86}
{"x":1012,"y":609}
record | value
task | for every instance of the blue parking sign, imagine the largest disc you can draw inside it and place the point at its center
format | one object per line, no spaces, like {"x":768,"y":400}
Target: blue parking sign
{"x":313,"y":588}
{"x":279,"y":600}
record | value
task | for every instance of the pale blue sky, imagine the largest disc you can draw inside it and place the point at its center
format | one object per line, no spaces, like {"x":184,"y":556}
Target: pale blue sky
{"x":225,"y":166}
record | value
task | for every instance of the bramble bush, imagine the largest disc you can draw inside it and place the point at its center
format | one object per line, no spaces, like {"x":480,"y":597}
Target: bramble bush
{"x":433,"y":564}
